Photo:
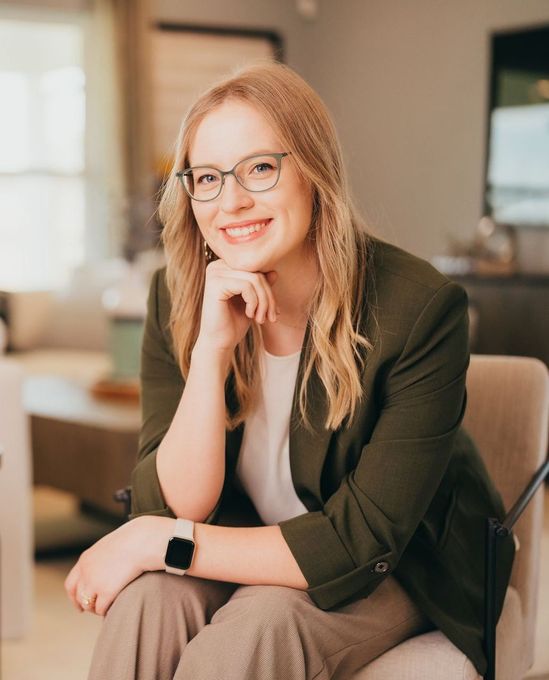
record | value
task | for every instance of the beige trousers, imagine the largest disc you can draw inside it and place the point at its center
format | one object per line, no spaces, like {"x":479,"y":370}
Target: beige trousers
{"x":166,"y":627}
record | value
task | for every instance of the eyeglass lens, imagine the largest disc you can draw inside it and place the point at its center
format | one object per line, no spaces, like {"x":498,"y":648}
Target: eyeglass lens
{"x":254,"y":174}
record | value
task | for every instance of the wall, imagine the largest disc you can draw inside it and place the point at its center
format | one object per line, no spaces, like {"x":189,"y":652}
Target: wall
{"x":407,"y":83}
{"x":279,"y":15}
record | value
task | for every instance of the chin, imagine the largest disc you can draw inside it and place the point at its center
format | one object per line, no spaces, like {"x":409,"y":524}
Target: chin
{"x":247,"y":262}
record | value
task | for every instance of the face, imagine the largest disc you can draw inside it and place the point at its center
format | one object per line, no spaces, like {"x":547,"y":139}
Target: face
{"x":227,"y":135}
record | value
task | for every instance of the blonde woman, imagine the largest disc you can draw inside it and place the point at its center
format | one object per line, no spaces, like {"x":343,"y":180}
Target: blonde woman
{"x":305,"y":498}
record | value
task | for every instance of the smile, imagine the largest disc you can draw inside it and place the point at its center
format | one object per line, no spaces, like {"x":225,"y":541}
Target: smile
{"x":247,"y":233}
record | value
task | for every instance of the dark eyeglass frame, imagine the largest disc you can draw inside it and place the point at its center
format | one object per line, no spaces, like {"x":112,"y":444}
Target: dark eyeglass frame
{"x":188,"y":171}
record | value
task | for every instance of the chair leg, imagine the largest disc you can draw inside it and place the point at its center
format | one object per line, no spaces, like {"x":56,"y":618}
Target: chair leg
{"x":493,"y":530}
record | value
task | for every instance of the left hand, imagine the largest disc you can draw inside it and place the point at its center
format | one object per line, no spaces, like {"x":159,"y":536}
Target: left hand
{"x":118,"y":558}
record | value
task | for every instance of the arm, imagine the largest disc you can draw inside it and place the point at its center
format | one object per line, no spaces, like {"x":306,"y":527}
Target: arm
{"x":250,"y":555}
{"x":346,"y":549}
{"x":181,"y":461}
{"x":185,"y":452}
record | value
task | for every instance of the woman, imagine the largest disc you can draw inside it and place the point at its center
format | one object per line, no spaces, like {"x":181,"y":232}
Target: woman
{"x":348,"y":515}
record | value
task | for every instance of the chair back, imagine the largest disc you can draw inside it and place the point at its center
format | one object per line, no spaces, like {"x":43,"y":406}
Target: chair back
{"x":507,"y":416}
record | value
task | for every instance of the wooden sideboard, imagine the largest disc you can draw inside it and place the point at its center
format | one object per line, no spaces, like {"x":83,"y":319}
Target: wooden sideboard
{"x":81,"y":444}
{"x":510,"y":314}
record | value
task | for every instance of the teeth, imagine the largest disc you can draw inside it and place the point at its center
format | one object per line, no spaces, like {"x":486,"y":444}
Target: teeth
{"x":245,"y":231}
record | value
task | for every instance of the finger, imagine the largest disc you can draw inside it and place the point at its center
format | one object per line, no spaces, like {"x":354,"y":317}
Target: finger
{"x":70,"y":584}
{"x":103,"y":604}
{"x":256,"y":306}
{"x":243,"y":288}
{"x":261,"y":287}
{"x":267,"y":306}
{"x":87,"y":601}
{"x":269,"y":278}
{"x":264,"y":294}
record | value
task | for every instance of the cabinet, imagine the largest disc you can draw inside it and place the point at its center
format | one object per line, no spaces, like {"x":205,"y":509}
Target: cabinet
{"x":509,"y":314}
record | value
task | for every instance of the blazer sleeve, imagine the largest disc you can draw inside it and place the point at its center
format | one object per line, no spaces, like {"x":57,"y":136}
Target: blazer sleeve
{"x":346,"y":549}
{"x":161,"y":389}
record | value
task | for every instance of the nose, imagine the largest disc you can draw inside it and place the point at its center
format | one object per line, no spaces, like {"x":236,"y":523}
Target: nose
{"x":234,"y":197}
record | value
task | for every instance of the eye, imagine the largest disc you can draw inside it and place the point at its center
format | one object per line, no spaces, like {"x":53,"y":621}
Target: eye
{"x":206,"y":179}
{"x":262,"y":168}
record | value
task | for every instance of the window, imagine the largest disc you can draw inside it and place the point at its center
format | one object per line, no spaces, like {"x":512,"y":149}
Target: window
{"x":42,"y":124}
{"x":185,"y":61}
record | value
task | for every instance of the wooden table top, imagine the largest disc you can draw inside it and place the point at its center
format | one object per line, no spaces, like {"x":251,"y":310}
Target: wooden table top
{"x":70,"y":400}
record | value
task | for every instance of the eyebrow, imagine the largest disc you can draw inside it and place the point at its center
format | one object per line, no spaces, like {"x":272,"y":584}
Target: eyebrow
{"x":259,"y":152}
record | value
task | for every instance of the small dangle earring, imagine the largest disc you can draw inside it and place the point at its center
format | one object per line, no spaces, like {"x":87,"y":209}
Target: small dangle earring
{"x":207,"y":252}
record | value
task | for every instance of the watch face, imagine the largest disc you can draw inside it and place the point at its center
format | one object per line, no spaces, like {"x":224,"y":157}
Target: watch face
{"x":179,"y":553}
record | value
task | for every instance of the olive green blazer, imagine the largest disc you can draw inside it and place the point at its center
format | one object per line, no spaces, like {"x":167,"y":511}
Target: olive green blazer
{"x":400,"y":488}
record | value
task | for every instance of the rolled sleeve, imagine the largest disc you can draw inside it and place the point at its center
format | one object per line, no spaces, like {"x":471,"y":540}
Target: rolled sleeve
{"x":346,"y":549}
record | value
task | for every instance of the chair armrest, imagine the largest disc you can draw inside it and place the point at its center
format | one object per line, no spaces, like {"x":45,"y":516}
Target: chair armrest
{"x":496,"y":530}
{"x":124,"y":496}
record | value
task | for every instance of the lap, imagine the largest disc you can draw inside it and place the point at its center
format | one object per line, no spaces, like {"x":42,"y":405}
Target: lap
{"x":317,"y":644}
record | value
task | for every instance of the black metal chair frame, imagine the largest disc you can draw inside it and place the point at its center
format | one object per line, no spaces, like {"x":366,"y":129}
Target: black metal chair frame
{"x":495,"y":531}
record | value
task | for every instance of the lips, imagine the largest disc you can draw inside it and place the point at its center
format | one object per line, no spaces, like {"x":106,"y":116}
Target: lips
{"x":240,"y":232}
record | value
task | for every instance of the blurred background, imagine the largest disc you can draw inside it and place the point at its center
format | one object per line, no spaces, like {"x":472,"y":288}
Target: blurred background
{"x":443,"y":114}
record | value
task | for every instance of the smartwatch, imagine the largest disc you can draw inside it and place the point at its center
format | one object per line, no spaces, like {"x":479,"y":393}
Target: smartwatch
{"x":180,"y":551}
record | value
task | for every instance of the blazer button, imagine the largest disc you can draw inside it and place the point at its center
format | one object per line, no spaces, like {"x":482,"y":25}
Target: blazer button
{"x":381,"y":567}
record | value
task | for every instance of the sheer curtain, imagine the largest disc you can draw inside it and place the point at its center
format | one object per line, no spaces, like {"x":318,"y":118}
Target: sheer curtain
{"x":118,"y":133}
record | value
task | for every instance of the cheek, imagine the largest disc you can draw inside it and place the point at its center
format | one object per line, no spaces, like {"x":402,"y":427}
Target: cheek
{"x":203,"y":216}
{"x":305,"y":213}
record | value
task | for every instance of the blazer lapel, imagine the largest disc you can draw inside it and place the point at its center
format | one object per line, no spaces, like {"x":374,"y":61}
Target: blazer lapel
{"x":308,"y":449}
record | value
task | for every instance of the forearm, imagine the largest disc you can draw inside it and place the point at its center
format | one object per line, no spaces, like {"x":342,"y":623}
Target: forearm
{"x":250,"y":555}
{"x":191,"y":458}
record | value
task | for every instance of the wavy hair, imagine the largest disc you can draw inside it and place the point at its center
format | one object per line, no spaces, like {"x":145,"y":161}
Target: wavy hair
{"x":337,"y":347}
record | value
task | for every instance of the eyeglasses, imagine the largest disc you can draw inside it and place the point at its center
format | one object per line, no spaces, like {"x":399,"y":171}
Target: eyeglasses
{"x":254,"y":173}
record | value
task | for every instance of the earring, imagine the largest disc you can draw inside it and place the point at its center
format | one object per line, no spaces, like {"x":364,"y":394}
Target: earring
{"x":207,"y":252}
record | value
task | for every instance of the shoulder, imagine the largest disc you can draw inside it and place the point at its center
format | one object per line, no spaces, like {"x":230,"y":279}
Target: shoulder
{"x":403,"y":288}
{"x":157,"y":327}
{"x":159,"y":302}
{"x":393,"y":266}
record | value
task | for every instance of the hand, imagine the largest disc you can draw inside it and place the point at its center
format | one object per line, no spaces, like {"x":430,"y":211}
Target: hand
{"x":118,"y":558}
{"x":232,"y":299}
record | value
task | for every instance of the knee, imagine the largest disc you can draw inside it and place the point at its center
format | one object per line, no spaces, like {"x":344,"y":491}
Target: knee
{"x":272,"y":606}
{"x":150,"y":591}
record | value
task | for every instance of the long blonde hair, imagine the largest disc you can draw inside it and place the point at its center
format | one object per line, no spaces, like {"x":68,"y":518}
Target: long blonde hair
{"x":337,"y":348}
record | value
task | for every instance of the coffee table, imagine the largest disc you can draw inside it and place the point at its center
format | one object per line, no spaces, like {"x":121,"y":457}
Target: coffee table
{"x":81,"y":444}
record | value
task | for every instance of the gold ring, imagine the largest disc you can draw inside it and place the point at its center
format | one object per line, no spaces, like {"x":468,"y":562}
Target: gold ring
{"x":86,"y":601}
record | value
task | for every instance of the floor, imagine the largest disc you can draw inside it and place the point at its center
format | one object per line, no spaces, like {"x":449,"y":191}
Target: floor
{"x":60,"y":644}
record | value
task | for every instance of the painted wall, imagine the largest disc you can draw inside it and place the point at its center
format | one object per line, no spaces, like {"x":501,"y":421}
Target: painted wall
{"x":278,"y":15}
{"x":407,"y":83}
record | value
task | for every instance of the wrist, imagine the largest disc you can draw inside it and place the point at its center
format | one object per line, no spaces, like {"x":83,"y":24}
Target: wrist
{"x":158,"y":531}
{"x":205,"y":354}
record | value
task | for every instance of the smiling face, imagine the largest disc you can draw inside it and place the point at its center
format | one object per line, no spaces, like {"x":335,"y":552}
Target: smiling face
{"x":250,"y":231}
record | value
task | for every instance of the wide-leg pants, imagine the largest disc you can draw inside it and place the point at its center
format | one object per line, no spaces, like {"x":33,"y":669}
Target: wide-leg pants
{"x":167,"y":627}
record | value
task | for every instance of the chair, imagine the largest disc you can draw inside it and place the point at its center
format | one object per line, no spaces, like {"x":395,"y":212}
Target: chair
{"x":507,"y":416}
{"x":16,"y":539}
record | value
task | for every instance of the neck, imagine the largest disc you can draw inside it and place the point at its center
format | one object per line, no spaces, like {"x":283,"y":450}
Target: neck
{"x":294,"y":289}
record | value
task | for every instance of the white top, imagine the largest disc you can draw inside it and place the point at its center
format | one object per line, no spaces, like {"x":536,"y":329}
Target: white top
{"x":263,"y":467}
